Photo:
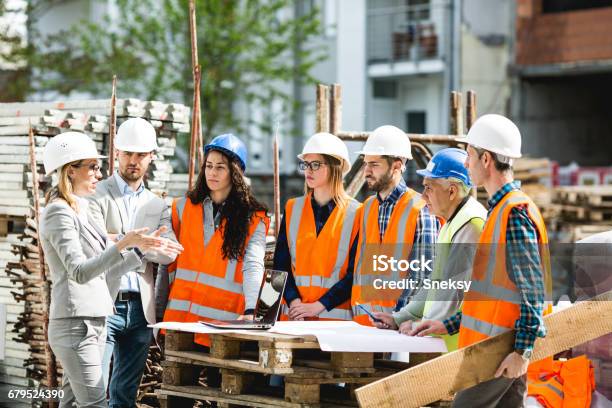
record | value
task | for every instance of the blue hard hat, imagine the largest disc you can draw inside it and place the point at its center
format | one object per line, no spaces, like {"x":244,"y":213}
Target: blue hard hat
{"x":232,"y":146}
{"x":447,"y":163}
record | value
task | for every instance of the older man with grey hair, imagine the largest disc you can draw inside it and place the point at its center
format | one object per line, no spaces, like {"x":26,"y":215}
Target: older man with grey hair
{"x":447,"y":194}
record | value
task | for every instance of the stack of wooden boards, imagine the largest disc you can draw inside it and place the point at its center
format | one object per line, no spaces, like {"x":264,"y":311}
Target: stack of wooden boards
{"x":583,"y":211}
{"x":535,"y":176}
{"x":20,"y":281}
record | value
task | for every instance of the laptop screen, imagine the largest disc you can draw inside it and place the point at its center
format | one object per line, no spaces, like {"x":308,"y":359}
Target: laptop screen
{"x":270,"y":296}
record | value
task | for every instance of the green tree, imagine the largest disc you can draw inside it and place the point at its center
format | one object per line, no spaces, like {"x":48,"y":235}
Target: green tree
{"x":247,"y":48}
{"x":13,"y":51}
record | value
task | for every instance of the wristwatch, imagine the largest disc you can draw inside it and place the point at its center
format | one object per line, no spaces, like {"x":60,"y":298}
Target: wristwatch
{"x":526,"y":354}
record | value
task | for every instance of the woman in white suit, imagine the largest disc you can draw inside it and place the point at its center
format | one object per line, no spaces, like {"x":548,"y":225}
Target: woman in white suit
{"x":81,"y":262}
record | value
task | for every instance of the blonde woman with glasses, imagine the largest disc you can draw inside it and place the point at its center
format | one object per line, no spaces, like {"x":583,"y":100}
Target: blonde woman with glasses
{"x":81,"y":261}
{"x":318,"y":235}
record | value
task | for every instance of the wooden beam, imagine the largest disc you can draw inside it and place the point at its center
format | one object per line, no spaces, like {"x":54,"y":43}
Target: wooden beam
{"x":276,"y":157}
{"x":456,"y":114}
{"x":195,"y":119}
{"x":322,"y":124}
{"x":470,"y":118}
{"x":112,"y":127}
{"x":470,"y":110}
{"x":335,"y":114}
{"x":417,"y":137}
{"x":466,"y":367}
{"x":51,"y":365}
{"x":357,"y":182}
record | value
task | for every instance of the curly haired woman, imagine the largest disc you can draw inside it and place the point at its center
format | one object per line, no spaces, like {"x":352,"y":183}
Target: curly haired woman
{"x":223,"y":230}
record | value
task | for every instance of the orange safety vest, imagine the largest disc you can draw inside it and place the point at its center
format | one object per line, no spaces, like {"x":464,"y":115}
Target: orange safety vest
{"x":492,"y":305}
{"x":319,"y":262}
{"x":562,"y":384}
{"x":205,"y":285}
{"x":397,"y":242}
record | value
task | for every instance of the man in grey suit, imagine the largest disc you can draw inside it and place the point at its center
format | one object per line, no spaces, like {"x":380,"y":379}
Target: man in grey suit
{"x":122,"y":203}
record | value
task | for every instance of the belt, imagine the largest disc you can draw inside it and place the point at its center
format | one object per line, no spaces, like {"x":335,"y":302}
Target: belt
{"x":125,"y":296}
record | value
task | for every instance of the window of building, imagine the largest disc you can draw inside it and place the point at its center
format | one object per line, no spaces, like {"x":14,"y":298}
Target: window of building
{"x":384,"y":89}
{"x":560,"y":6}
{"x":418,"y":9}
{"x":415,"y":121}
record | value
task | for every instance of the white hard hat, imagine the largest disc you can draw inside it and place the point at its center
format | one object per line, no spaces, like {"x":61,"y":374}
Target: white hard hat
{"x":136,"y":135}
{"x":497,"y":134}
{"x":67,"y":148}
{"x":388,"y":141}
{"x":326,"y":143}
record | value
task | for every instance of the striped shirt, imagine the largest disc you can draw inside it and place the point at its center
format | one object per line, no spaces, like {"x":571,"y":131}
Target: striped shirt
{"x":523,"y":263}
{"x":425,"y":235}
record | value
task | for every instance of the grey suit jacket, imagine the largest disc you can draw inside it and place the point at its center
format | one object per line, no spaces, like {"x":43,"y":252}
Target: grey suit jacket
{"x":80,"y":263}
{"x":109,"y":212}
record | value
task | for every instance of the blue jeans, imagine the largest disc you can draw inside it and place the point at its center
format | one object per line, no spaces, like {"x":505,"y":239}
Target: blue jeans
{"x":127,"y":341}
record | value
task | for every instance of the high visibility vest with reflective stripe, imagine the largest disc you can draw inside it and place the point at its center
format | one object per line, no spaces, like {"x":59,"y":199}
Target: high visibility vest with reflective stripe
{"x":399,"y":237}
{"x":492,"y":305}
{"x":471,"y":212}
{"x":319,"y":262}
{"x":206,"y":286}
{"x":558,"y":384}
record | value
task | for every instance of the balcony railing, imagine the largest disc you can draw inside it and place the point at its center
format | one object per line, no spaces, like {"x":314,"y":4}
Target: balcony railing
{"x":402,"y":34}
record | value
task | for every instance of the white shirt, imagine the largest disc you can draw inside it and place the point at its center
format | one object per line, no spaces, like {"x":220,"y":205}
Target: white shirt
{"x":129,"y":281}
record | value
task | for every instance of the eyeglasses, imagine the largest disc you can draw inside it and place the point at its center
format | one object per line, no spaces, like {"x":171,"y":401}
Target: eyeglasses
{"x":95,"y":167}
{"x":313,"y":165}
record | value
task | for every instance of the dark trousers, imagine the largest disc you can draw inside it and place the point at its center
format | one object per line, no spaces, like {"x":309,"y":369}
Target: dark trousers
{"x":127,"y":341}
{"x":496,"y":393}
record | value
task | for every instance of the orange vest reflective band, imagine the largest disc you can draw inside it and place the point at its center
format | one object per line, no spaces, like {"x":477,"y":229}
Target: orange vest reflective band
{"x":319,"y":262}
{"x":206,"y":286}
{"x":561,"y":384}
{"x":492,"y":304}
{"x":400,"y":230}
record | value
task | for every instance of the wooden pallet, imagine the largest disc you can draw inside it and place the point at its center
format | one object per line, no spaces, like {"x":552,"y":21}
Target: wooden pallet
{"x":577,"y":232}
{"x":588,"y":196}
{"x":246,"y":361}
{"x":580,"y":213}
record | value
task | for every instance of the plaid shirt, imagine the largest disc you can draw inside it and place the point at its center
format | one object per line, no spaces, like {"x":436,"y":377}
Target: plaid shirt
{"x":425,"y":235}
{"x":523,"y":261}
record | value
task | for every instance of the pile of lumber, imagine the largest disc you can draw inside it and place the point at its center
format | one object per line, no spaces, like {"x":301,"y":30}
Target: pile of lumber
{"x":583,"y":211}
{"x":535,"y":176}
{"x":21,"y":286}
{"x":13,"y":369}
{"x":32,"y":291}
{"x":151,"y":378}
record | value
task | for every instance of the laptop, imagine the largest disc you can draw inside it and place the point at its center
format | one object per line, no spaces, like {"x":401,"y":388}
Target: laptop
{"x":268,"y":305}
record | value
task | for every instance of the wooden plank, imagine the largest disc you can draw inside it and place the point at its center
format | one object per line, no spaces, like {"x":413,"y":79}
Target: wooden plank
{"x":204,"y":359}
{"x":179,"y":341}
{"x":11,"y":168}
{"x":224,"y":348}
{"x":477,"y":363}
{"x":176,"y":373}
{"x":209,"y":394}
{"x":235,"y":382}
{"x":302,"y":393}
{"x":343,"y":361}
{"x":268,"y":398}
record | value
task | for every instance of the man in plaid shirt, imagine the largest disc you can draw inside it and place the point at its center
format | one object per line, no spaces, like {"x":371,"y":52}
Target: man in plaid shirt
{"x":385,"y":154}
{"x":493,"y":143}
